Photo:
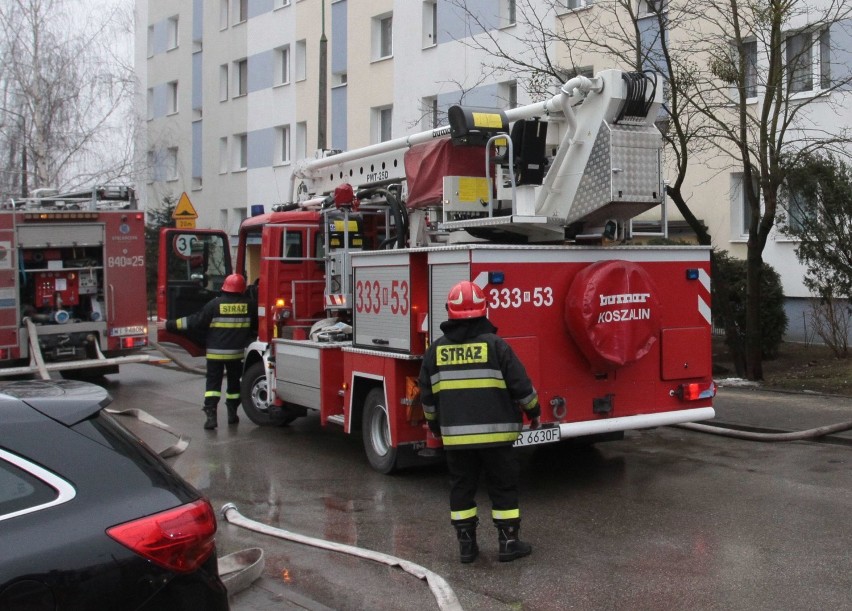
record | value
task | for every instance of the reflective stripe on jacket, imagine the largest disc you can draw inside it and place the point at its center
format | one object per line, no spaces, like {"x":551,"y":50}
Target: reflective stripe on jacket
{"x":230,"y":323}
{"x":471,"y":388}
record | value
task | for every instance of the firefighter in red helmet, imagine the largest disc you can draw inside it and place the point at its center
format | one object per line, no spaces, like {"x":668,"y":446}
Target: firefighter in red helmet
{"x":229,"y":322}
{"x":475,"y":391}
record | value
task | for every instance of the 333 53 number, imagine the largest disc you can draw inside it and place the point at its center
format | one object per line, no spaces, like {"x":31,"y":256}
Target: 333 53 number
{"x":373,"y":296}
{"x":539,"y":297}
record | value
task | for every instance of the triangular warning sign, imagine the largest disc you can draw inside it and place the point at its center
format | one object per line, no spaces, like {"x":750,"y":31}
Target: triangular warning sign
{"x":184,"y":209}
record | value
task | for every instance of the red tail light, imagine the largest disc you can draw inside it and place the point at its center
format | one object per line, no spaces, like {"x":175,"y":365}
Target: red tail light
{"x":695,"y":392}
{"x":179,"y":539}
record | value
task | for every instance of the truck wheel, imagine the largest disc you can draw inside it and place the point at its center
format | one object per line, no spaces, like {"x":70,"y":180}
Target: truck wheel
{"x":376,"y":433}
{"x":254,"y":394}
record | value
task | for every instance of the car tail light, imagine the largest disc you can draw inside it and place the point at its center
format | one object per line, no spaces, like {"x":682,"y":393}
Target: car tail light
{"x":179,"y":539}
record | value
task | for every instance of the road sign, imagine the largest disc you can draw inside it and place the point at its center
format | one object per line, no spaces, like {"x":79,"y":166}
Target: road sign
{"x":184,"y":245}
{"x":184,"y":210}
{"x":185,"y":223}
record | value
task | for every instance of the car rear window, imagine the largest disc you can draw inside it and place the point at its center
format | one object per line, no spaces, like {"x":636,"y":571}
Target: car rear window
{"x":20,"y":490}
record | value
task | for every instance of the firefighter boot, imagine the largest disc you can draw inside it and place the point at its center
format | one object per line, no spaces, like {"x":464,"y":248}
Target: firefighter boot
{"x":210,"y":412}
{"x":232,"y":412}
{"x":466,"y":533}
{"x":511,"y":548}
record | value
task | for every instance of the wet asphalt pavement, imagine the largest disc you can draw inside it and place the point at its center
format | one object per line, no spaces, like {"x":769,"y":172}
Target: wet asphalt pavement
{"x":665,"y":519}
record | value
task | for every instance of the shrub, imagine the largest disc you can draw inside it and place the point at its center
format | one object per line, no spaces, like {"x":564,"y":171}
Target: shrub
{"x":730,"y":313}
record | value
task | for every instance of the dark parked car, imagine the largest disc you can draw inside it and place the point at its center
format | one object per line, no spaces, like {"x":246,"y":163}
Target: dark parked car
{"x":90,"y":516}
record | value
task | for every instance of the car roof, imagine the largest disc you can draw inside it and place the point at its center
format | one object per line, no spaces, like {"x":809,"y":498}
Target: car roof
{"x":66,"y":401}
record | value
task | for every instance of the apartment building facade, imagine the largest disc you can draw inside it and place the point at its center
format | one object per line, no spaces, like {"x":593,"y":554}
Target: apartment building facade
{"x":230,"y":90}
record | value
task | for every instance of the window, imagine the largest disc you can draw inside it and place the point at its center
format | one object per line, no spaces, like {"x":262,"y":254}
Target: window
{"x":386,"y":37}
{"x":575,"y":4}
{"x":825,"y":59}
{"x":223,"y":82}
{"x":508,"y":12}
{"x":282,"y":135}
{"x":382,"y":36}
{"x":223,"y":14}
{"x":648,"y":7}
{"x":149,"y":105}
{"x":382,"y":120}
{"x":150,"y":41}
{"x":26,"y":487}
{"x":430,"y":23}
{"x":282,"y":65}
{"x":338,"y":79}
{"x":173,"y":97}
{"x":223,"y":155}
{"x":241,"y":69}
{"x":172,"y":32}
{"x":750,"y":80}
{"x":301,"y":60}
{"x":151,"y":165}
{"x":799,"y":205}
{"x":242,"y":11}
{"x":740,"y":211}
{"x":241,"y":152}
{"x":511,"y":95}
{"x":301,"y":149}
{"x":429,"y":112}
{"x":808,"y":56}
{"x":292,"y":245}
{"x":223,"y":218}
{"x":799,"y":62}
{"x":568,"y":73}
{"x":241,"y":216}
{"x":172,"y":163}
{"x":281,"y":3}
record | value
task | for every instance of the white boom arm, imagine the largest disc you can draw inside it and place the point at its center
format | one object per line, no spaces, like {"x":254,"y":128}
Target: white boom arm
{"x":607,"y":164}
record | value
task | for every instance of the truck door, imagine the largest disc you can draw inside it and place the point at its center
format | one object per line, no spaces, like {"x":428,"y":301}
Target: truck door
{"x":192,"y":266}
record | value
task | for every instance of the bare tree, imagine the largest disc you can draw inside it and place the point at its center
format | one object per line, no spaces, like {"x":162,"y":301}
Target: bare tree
{"x":758,"y":93}
{"x":65,"y":89}
{"x":737,"y":89}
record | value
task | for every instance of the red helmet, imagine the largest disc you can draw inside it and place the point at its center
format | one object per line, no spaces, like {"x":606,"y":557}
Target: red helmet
{"x":466,"y":300}
{"x":234,"y":283}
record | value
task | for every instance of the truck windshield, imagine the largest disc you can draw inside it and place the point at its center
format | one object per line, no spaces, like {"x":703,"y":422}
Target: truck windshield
{"x":198,"y":259}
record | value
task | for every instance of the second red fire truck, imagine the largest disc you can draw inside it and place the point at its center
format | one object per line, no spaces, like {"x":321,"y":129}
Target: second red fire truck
{"x":72,"y":283}
{"x":352,"y":278}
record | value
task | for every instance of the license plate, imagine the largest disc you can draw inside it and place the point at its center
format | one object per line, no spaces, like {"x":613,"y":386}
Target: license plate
{"x":124,"y":331}
{"x":538,"y":436}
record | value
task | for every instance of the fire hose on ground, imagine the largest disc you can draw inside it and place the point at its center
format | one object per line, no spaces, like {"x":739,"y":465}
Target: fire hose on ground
{"x":814,"y":433}
{"x":442,"y":591}
{"x":173,"y":357}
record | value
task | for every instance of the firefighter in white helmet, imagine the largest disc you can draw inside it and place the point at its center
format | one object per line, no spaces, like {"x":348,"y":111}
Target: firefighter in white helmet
{"x":474,"y":391}
{"x":229,"y":322}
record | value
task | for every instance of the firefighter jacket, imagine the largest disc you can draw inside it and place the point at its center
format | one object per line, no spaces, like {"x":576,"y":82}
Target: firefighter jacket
{"x":471,"y":383}
{"x":230,"y":324}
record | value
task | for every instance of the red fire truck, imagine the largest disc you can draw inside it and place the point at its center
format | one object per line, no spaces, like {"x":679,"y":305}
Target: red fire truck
{"x":352,"y":277}
{"x":72,"y":282}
